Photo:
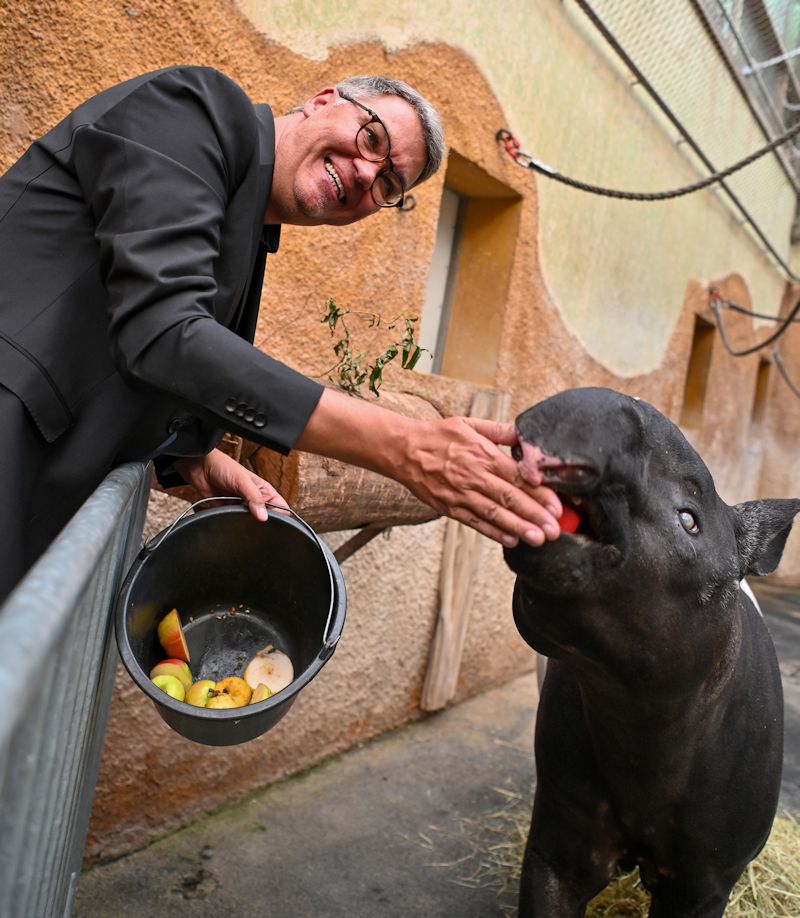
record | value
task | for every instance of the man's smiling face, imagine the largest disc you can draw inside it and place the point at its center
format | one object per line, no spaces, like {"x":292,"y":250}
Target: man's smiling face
{"x":320,"y":177}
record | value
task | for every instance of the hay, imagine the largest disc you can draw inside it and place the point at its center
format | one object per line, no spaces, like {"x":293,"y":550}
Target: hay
{"x":769,"y":888}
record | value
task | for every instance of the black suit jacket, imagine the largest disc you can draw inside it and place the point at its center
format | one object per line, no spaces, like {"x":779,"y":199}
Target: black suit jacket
{"x":131,"y":247}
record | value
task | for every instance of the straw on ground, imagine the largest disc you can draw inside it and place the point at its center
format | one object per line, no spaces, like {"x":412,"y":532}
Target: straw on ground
{"x":493,"y":844}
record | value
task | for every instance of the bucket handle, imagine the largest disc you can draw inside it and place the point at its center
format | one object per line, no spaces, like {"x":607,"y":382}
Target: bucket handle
{"x":328,"y":642}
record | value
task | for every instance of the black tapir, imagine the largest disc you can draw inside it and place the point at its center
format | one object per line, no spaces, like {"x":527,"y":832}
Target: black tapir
{"x":659,"y":733}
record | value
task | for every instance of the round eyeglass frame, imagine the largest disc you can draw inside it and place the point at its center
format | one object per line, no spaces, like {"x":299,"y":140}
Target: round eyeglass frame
{"x":364,"y":152}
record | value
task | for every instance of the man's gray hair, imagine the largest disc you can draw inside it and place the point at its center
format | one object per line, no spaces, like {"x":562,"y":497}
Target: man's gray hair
{"x":362,"y":87}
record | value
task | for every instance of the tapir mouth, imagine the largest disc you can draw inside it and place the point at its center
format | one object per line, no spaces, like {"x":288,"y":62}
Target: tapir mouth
{"x":582,"y":518}
{"x":558,"y":473}
{"x":574,"y":480}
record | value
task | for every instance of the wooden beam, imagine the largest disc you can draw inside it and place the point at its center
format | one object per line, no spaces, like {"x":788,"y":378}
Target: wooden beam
{"x":462,"y":551}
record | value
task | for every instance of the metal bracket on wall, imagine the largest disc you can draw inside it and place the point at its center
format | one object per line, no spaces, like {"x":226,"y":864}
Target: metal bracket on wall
{"x":359,"y":540}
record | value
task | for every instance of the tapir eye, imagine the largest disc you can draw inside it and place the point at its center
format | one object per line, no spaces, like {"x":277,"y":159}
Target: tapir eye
{"x":688,"y":521}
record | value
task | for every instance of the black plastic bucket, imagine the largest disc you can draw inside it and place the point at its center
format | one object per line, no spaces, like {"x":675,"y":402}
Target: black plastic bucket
{"x":238,"y":585}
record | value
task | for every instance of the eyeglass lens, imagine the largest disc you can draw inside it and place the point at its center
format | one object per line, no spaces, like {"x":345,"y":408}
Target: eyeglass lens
{"x":373,"y":144}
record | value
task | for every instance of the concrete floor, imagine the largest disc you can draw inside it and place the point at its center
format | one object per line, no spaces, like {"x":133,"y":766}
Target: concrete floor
{"x":427,"y":821}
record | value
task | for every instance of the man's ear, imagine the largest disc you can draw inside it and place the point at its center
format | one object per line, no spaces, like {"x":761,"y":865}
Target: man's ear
{"x":762,"y":528}
{"x":326,"y":96}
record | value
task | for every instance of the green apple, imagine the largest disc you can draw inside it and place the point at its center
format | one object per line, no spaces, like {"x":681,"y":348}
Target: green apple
{"x":176,"y":668}
{"x":198,"y":694}
{"x":172,"y":685}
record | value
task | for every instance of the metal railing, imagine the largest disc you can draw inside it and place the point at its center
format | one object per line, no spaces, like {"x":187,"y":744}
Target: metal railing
{"x":57,"y":664}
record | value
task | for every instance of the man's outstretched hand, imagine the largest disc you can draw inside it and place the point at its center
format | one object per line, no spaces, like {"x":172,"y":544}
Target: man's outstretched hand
{"x":456,"y":465}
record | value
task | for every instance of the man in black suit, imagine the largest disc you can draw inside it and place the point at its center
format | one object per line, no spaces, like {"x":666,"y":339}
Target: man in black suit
{"x":132,"y":242}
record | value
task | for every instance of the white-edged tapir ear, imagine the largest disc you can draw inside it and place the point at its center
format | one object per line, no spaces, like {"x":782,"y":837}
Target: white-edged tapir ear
{"x":762,"y":528}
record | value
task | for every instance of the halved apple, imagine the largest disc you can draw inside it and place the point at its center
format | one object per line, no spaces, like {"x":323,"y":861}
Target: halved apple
{"x":270,"y":667}
{"x":170,"y":636}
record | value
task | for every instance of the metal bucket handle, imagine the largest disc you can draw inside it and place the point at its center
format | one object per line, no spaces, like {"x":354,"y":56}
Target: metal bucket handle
{"x":327,"y":642}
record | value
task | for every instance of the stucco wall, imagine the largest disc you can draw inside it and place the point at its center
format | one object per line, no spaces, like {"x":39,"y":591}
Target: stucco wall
{"x":593,"y":298}
{"x":573,"y":106}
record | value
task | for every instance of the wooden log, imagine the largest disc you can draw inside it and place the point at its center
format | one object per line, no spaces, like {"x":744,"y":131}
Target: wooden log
{"x":462,"y":550}
{"x":332,"y":495}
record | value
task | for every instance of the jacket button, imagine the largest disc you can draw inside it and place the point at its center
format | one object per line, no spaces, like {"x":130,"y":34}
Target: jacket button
{"x":174,"y":425}
{"x":230,"y":405}
{"x":249,"y":414}
{"x":240,"y":409}
{"x":260,"y":420}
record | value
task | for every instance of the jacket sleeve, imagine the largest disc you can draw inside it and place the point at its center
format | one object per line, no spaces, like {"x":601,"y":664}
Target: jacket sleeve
{"x":158,"y":170}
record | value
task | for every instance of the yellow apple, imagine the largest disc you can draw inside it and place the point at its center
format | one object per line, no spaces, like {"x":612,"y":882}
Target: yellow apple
{"x":198,"y":694}
{"x":261,"y":692}
{"x":221,"y":700}
{"x":171,"y":685}
{"x":237,"y":688}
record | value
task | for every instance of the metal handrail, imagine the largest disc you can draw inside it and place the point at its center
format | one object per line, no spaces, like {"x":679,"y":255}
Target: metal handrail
{"x":57,"y":665}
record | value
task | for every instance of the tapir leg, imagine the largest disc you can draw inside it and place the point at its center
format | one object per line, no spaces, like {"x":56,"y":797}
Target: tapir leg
{"x":573,"y":845}
{"x":543,"y":893}
{"x":681,"y":903}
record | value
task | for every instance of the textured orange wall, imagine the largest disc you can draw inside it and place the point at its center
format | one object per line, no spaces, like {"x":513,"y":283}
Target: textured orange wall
{"x":52,"y":55}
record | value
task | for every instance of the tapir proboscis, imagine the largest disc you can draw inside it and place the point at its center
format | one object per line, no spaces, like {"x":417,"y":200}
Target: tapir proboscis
{"x":659,"y":732}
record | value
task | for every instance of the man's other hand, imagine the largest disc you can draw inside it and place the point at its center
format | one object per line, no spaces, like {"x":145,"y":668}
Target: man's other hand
{"x":218,"y":475}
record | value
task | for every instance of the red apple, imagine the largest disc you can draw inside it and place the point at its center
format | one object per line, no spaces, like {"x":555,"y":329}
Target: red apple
{"x":570,"y":520}
{"x":170,"y":636}
{"x":176,"y":668}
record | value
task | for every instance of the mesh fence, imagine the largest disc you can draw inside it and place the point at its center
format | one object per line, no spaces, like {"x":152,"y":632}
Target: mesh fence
{"x":723,"y":77}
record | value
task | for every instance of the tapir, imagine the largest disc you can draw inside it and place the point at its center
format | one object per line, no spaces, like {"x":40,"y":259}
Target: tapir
{"x":659,"y":731}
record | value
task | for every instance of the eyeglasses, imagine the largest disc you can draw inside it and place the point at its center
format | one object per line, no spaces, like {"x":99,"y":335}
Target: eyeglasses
{"x":372,"y":142}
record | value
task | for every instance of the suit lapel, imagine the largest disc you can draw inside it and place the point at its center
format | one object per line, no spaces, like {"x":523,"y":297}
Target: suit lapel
{"x":263,"y":238}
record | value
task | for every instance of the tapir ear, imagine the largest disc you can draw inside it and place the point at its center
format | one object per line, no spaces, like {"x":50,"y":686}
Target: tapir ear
{"x":762,"y":528}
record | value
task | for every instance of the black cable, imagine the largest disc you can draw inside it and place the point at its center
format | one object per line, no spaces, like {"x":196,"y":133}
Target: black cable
{"x":782,"y":370}
{"x":715,"y":305}
{"x":528,"y":162}
{"x":755,"y":315}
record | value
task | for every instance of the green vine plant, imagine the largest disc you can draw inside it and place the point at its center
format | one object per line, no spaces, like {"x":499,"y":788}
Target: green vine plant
{"x":353,"y":369}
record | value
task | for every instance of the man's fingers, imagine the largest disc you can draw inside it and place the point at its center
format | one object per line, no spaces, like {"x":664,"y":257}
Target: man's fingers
{"x":533,"y":525}
{"x":257,"y":493}
{"x":496,"y":431}
{"x":502,"y":533}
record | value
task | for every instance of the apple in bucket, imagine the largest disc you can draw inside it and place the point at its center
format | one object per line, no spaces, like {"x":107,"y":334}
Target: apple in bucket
{"x":176,"y":668}
{"x":170,"y":636}
{"x":171,"y":685}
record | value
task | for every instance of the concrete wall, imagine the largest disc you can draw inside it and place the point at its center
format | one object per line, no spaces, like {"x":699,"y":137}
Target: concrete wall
{"x":598,"y":292}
